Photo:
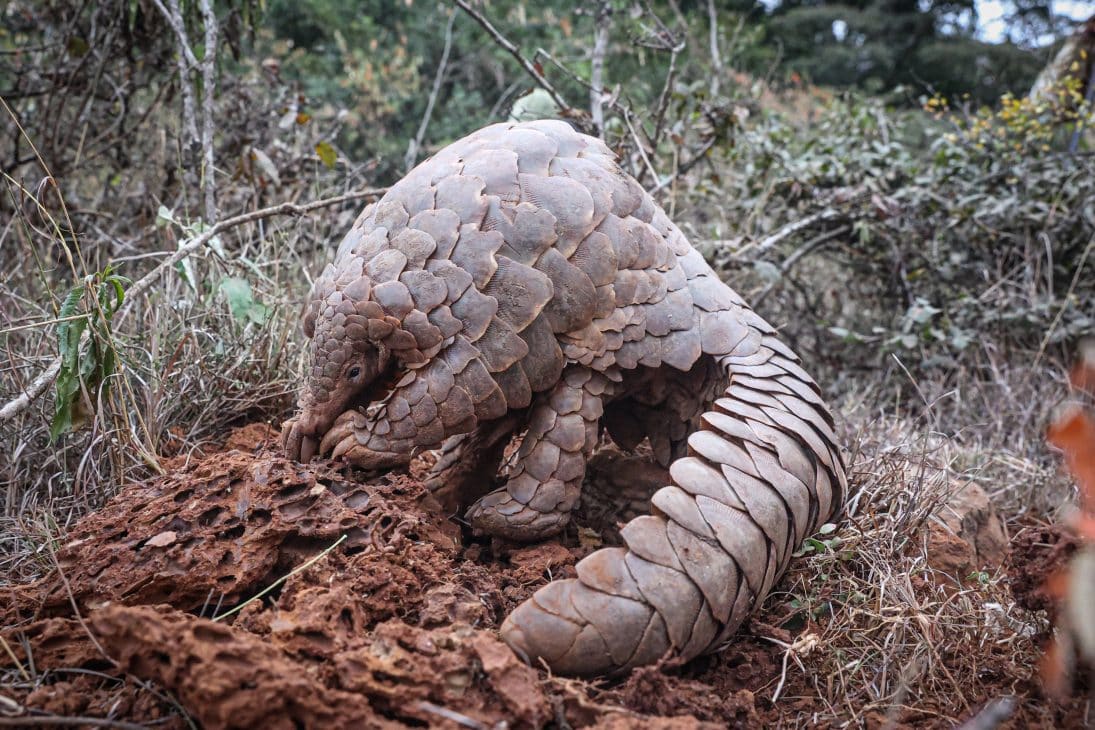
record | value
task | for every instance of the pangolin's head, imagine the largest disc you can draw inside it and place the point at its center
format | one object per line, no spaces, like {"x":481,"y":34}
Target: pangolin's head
{"x":342,"y":372}
{"x":346,"y":363}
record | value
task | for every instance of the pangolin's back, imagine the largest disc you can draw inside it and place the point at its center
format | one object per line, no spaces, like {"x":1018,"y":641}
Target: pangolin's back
{"x":527,"y":242}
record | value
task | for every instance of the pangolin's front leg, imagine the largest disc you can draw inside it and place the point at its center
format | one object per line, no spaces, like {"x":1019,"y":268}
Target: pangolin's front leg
{"x":546,"y":480}
{"x":457,"y":477}
{"x":452,"y":394}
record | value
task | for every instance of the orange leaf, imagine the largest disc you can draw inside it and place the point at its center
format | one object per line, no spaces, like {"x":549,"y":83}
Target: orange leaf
{"x":1054,"y":676}
{"x":1082,"y":377}
{"x":1074,"y":434}
{"x":1057,"y":585}
{"x":1084,"y":524}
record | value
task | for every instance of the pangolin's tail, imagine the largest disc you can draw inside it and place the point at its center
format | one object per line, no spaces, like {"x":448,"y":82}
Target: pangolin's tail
{"x":763,"y":472}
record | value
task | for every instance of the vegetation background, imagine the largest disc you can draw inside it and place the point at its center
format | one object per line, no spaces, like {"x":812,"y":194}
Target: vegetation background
{"x":874,"y":176}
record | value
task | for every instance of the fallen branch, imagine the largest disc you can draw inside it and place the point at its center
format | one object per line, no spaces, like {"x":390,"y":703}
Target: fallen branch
{"x":796,"y":256}
{"x":43,"y":381}
{"x":770,"y":241}
{"x":506,"y":45}
{"x":37,"y":386}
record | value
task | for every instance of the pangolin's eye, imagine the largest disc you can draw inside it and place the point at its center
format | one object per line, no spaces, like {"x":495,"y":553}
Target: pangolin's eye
{"x":354,"y":372}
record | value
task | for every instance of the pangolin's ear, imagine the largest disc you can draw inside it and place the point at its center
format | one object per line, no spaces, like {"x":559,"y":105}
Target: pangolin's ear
{"x":308,"y":318}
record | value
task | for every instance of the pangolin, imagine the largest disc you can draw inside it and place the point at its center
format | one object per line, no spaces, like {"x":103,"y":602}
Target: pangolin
{"x":520,"y":283}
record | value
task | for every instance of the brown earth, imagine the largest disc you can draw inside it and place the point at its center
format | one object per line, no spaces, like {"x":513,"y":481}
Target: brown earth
{"x":250,"y":591}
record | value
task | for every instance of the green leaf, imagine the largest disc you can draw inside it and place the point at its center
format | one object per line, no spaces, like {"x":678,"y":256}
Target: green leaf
{"x":164,"y":217}
{"x":327,"y":154}
{"x":69,"y":331}
{"x":238,"y":293}
{"x":241,"y":301}
{"x":67,"y":386}
{"x":89,"y":369}
{"x":77,"y":47}
{"x":258,"y":313}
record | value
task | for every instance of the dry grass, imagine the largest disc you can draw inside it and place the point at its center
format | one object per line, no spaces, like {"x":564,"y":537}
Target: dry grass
{"x":899,"y":641}
{"x":188,"y":366}
{"x":189,"y":369}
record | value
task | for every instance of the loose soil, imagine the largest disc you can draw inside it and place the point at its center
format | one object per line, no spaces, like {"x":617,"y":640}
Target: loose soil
{"x":245,"y":590}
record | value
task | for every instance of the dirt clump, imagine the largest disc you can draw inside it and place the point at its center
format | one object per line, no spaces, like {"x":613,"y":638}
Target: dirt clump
{"x":252,"y":437}
{"x":261,"y":592}
{"x":966,"y":535}
{"x":209,"y":534}
{"x":225,"y":678}
{"x":86,"y":696}
{"x":1038,"y":551}
{"x":243,"y":589}
{"x":649,"y":690}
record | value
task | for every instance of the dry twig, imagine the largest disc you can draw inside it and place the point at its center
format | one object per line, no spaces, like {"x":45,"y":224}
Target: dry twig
{"x":597,"y":67}
{"x":506,"y":45}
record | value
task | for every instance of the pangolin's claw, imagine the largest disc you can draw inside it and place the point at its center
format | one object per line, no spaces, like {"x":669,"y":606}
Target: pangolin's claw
{"x":341,"y":437}
{"x":344,"y":442}
{"x":297,"y":445}
{"x":290,"y":439}
{"x":307,"y":449}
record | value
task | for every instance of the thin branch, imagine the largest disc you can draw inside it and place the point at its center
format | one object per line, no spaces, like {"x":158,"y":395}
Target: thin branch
{"x":209,"y":84}
{"x":506,"y":45}
{"x":58,"y":720}
{"x":685,"y":167}
{"x":716,"y":59}
{"x":299,"y":569}
{"x":639,"y":146}
{"x":175,"y":20}
{"x":36,"y":388}
{"x":503,"y":98}
{"x":668,"y":42}
{"x":452,"y":715}
{"x":1089,"y":98}
{"x":663,"y":98}
{"x":416,"y":143}
{"x":597,"y":67}
{"x":770,"y":241}
{"x":43,"y":381}
{"x":186,"y":61}
{"x":1065,"y":303}
{"x":193,"y":245}
{"x":796,"y":256}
